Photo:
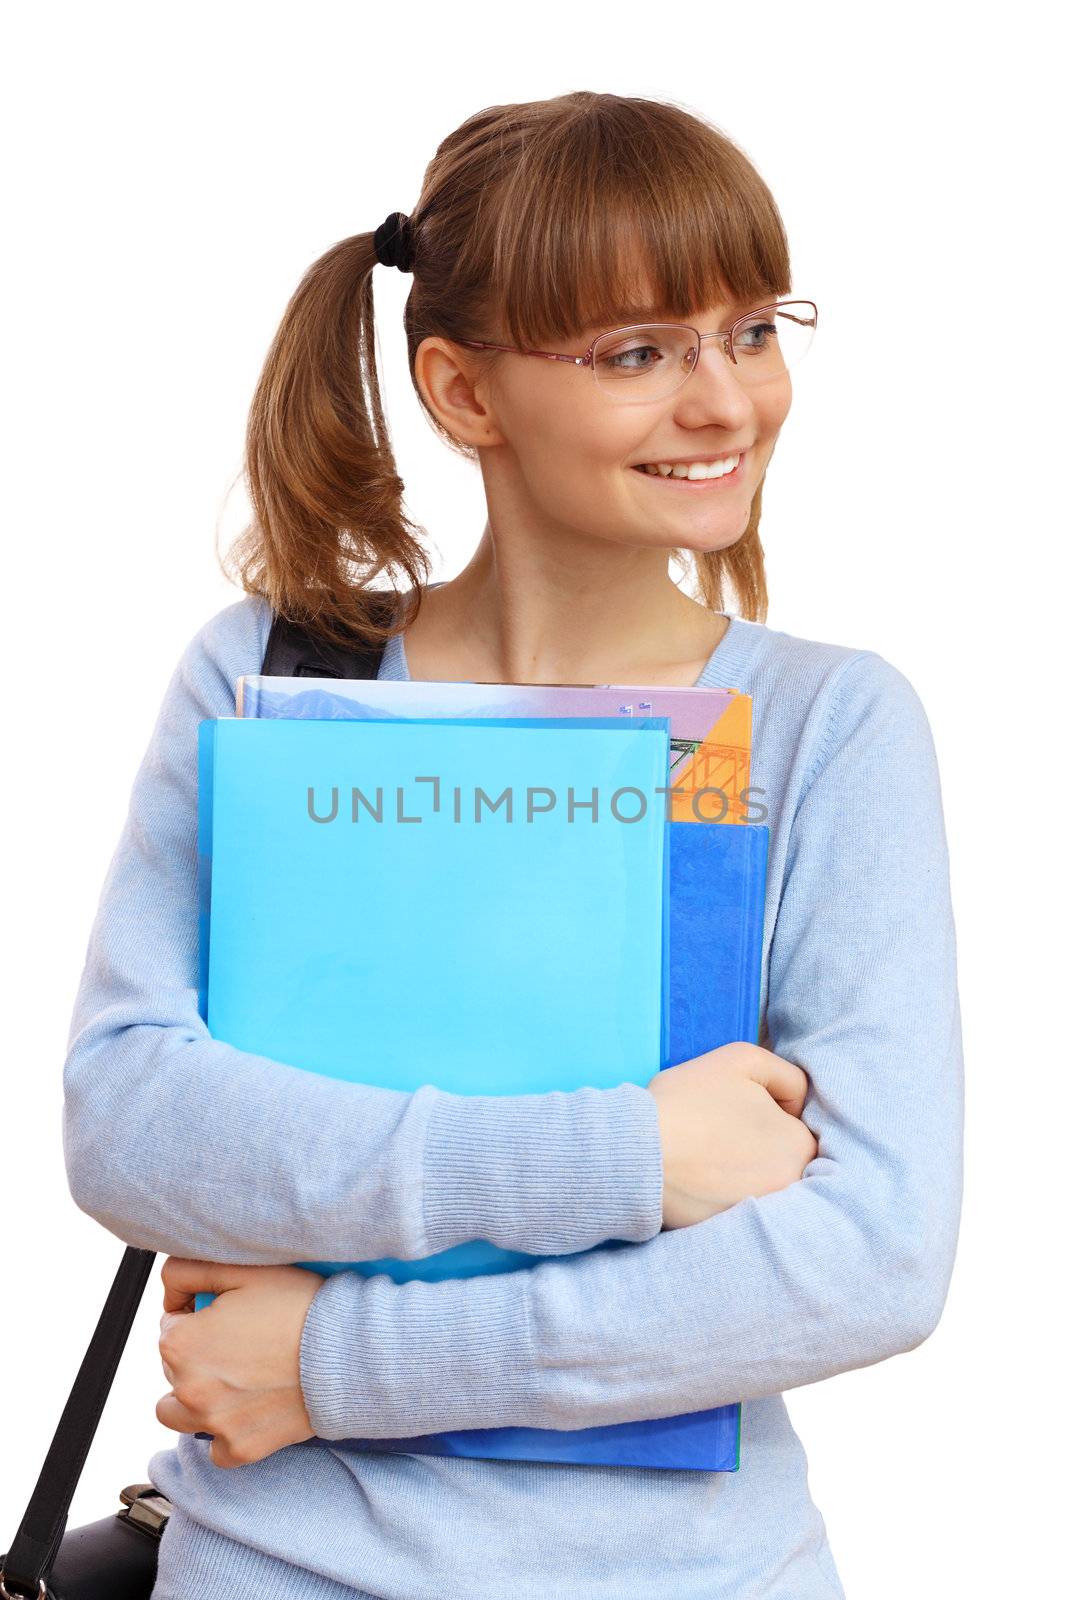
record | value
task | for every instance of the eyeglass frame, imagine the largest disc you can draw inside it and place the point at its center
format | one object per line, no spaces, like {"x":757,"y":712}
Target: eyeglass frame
{"x":586,"y":360}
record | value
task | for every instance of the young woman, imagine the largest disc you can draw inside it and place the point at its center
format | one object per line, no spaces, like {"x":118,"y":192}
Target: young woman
{"x":601,"y":289}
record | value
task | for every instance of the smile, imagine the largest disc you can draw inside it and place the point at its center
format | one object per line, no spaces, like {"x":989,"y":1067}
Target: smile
{"x":697,"y":474}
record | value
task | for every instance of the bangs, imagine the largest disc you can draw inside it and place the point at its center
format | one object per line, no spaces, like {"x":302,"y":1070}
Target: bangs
{"x":626,"y":215}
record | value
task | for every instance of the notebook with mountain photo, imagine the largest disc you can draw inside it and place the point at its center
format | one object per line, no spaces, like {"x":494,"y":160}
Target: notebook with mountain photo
{"x":710,"y":739}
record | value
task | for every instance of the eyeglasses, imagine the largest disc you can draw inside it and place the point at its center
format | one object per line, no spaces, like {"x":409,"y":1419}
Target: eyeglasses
{"x":646,"y":361}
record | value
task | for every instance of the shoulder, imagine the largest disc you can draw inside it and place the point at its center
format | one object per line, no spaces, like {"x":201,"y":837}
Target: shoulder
{"x":815,"y":699}
{"x":810,"y":672}
{"x":241,"y":627}
{"x":228,"y":644}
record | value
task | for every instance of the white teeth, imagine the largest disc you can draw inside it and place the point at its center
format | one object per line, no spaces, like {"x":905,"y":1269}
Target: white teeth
{"x":696,"y":470}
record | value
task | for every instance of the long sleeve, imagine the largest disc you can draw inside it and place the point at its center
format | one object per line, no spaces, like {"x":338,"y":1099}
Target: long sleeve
{"x":844,"y":1268}
{"x":180,"y":1143}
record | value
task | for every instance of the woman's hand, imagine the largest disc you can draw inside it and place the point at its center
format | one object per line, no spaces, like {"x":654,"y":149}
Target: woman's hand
{"x":234,"y":1368}
{"x":730,"y":1127}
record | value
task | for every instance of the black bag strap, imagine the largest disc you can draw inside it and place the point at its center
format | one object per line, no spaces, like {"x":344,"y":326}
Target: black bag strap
{"x":292,"y":652}
{"x":29,"y":1561}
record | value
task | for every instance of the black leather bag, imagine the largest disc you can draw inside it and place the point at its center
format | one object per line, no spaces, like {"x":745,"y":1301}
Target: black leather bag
{"x":115,"y":1558}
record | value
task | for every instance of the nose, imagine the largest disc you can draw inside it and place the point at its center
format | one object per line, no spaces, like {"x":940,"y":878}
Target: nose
{"x":714,"y":390}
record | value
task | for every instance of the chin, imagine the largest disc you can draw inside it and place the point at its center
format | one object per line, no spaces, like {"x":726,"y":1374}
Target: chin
{"x":717,"y":538}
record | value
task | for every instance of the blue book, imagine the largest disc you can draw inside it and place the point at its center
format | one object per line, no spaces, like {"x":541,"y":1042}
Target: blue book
{"x":718,"y":883}
{"x":479,"y":911}
{"x":715,"y":923}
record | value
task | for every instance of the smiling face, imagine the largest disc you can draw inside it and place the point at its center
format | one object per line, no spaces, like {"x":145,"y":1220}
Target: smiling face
{"x":570,"y":459}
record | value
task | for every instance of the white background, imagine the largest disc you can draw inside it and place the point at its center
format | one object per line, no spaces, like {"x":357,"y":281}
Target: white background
{"x":170,"y":173}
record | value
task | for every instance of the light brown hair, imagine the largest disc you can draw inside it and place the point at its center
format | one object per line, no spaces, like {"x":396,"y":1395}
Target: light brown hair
{"x":624,"y":196}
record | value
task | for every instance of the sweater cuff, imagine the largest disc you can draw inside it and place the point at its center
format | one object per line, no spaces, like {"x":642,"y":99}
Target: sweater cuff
{"x":380,"y":1360}
{"x":548,"y":1174}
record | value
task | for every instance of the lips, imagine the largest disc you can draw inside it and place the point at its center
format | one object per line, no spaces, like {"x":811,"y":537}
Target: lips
{"x":695,"y":485}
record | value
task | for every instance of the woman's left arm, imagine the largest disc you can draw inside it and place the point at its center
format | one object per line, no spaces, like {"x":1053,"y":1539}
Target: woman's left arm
{"x":842,"y":1269}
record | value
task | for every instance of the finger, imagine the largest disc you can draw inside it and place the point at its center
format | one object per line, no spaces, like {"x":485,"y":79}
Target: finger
{"x":172,"y":1414}
{"x":183,"y":1278}
{"x":784,"y":1082}
{"x":170,"y":1320}
{"x":178,"y":1300}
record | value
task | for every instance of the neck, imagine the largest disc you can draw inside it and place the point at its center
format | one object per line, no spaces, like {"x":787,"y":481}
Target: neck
{"x":508,"y":618}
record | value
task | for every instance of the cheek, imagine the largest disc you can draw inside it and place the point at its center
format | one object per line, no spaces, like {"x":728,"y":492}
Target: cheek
{"x":576,"y":474}
{"x":572,"y":439}
{"x":558,"y":421}
{"x":772,"y":407}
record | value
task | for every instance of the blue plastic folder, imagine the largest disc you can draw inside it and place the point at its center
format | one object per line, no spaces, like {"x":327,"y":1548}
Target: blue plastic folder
{"x":436,"y":942}
{"x":647,"y":935}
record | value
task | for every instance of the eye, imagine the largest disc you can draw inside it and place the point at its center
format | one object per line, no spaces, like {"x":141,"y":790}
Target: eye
{"x":637,"y":358}
{"x":755,"y":337}
{"x":629,"y":358}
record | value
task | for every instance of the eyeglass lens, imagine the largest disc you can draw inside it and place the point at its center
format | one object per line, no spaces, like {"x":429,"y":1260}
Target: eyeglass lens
{"x":643,"y":363}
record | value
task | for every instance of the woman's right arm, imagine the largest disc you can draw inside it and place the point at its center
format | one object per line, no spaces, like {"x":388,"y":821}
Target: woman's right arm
{"x":181,"y":1143}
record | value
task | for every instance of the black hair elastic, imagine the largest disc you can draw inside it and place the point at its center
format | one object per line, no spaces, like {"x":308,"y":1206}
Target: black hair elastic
{"x":393,"y":242}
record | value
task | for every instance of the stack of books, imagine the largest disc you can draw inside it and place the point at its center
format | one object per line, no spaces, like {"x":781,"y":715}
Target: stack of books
{"x":495,"y":888}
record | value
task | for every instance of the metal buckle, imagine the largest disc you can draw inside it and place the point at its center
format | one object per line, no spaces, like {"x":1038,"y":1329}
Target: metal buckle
{"x":147,"y":1509}
{"x":5,"y":1592}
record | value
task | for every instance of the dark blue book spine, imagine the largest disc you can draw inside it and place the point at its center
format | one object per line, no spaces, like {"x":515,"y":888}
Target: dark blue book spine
{"x":718,"y":887}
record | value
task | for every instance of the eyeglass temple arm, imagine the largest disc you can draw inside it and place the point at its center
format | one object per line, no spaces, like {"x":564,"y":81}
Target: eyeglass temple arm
{"x":549,"y":355}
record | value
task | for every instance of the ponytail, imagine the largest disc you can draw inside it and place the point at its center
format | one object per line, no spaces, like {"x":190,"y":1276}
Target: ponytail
{"x":321,"y":474}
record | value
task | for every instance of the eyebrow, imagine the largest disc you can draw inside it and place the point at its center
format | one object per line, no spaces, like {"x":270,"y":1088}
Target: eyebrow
{"x":632,"y":314}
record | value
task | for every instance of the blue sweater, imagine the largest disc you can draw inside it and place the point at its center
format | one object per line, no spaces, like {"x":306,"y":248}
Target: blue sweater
{"x":181,"y":1143}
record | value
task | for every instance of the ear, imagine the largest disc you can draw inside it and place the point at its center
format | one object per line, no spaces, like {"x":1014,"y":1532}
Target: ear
{"x":454,"y":387}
